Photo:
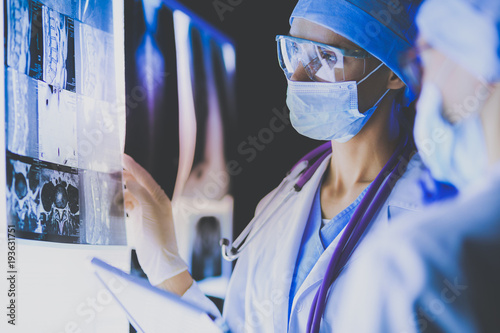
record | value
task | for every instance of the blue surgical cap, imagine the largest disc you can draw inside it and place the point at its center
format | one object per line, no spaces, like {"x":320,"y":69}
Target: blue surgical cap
{"x":385,"y":28}
{"x":467,"y":31}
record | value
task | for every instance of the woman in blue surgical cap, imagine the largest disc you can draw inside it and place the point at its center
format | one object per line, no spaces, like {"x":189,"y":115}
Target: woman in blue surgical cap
{"x":346,"y":87}
{"x":441,"y":272}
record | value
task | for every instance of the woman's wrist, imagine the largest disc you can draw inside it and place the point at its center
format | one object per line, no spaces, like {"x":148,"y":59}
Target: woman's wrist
{"x":178,"y":284}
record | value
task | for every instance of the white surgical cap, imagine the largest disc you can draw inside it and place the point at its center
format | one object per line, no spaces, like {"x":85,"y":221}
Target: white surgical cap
{"x":385,"y":28}
{"x":467,"y":31}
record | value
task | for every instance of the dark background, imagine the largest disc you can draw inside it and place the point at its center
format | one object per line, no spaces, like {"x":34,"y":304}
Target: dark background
{"x":260,"y":87}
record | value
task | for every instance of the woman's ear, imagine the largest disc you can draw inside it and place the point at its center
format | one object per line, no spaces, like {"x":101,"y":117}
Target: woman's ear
{"x":394,"y":82}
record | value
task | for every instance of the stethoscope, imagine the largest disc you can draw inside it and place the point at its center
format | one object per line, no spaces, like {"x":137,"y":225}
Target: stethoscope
{"x":374,"y":198}
{"x":298,"y":176}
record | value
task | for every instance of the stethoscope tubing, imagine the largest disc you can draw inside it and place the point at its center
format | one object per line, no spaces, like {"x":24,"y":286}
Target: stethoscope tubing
{"x":371,"y":203}
{"x":310,"y":171}
{"x":302,"y":171}
{"x":241,"y":247}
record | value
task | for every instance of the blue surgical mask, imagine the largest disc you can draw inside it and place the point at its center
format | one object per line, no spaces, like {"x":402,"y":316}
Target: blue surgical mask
{"x":454,"y":153}
{"x":327,"y":111}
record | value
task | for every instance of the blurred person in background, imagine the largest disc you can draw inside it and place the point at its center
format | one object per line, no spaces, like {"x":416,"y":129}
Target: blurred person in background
{"x":441,"y":272}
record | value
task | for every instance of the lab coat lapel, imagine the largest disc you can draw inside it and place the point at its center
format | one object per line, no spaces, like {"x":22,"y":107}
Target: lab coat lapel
{"x":288,"y":244}
{"x":404,"y":192}
{"x":318,"y":271}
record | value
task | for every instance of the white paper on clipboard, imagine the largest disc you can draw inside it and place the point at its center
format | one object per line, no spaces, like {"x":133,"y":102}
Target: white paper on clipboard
{"x":152,"y":310}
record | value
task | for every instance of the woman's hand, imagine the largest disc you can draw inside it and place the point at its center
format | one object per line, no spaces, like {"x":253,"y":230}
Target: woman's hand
{"x":153,"y":231}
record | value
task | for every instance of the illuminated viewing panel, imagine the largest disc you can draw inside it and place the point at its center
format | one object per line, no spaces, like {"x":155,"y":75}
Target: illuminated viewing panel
{"x":62,"y":134}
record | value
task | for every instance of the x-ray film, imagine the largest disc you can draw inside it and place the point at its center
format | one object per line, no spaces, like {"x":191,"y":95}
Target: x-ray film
{"x":50,"y":202}
{"x":69,"y":8}
{"x":41,"y":43}
{"x":21,"y":114}
{"x":57,"y":131}
{"x":98,"y":136}
{"x":62,"y":137}
{"x":18,"y":40}
{"x":23,"y":195}
{"x":96,"y":13}
{"x":95,"y":63}
{"x":102,"y":198}
{"x":58,"y":49}
{"x":43,"y":200}
{"x":35,"y":63}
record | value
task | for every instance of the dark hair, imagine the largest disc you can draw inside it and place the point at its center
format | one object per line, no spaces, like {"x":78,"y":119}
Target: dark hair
{"x":407,"y":113}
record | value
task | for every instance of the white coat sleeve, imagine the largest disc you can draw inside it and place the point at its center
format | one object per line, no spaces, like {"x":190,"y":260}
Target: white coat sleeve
{"x":439,"y":274}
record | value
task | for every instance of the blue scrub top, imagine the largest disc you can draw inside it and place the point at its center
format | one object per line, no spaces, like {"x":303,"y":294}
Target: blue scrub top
{"x":317,"y":237}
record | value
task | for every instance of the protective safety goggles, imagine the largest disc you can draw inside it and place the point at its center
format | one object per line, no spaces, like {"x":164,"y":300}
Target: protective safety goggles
{"x":321,"y":62}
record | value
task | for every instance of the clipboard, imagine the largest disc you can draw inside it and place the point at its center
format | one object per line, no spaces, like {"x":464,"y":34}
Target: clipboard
{"x":150,"y":309}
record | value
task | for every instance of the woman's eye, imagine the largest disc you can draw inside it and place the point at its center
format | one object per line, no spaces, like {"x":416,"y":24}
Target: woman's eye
{"x":329,"y":57}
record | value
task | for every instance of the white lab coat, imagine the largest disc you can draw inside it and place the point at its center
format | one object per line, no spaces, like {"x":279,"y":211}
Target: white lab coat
{"x":257,"y":298}
{"x":437,"y":273}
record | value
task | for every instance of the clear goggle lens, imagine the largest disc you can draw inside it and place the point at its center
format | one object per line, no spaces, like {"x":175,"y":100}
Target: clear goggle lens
{"x":320,"y":62}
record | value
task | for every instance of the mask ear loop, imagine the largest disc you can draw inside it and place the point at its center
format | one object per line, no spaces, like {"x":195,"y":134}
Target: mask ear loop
{"x":373,"y":71}
{"x":380,"y":99}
